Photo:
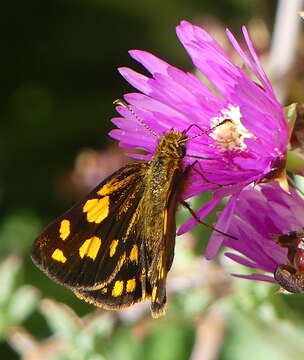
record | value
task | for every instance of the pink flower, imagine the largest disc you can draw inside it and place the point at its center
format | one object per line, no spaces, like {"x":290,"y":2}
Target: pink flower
{"x":248,"y":149}
{"x":262,"y":215}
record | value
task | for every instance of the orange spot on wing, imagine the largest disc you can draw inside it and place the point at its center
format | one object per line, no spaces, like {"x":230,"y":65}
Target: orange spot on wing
{"x":90,"y":247}
{"x":58,"y":256}
{"x":131,"y":284}
{"x":113,"y":247}
{"x":118,"y":288}
{"x":97,"y":209}
{"x":154,"y":291}
{"x":134,"y":253}
{"x":64,"y":230}
{"x":165,"y":221}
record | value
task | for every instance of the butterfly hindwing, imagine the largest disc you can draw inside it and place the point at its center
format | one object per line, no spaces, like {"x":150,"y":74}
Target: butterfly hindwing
{"x":123,"y":290}
{"x":86,"y":247}
{"x":128,"y":287}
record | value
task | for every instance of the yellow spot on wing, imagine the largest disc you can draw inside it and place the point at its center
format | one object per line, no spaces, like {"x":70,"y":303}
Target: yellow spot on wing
{"x":113,"y":185}
{"x":165,"y":221}
{"x":131,"y":283}
{"x":97,"y":209}
{"x":104,"y":290}
{"x":113,"y":247}
{"x":64,"y":230}
{"x":154,"y":293}
{"x":90,"y":247}
{"x":134,"y":253}
{"x":58,"y":256}
{"x":161,"y":271}
{"x":118,"y":288}
{"x":109,"y":188}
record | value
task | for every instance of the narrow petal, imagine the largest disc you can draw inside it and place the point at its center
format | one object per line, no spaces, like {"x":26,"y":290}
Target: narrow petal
{"x":201,"y":214}
{"x":223,"y":225}
{"x":241,"y":260}
{"x":259,"y":277}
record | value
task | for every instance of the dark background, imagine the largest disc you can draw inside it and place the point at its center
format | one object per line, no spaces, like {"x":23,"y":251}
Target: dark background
{"x":59,"y":79}
{"x":59,"y":61}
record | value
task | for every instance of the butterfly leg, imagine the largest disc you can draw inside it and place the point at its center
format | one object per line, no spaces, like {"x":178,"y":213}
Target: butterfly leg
{"x":192,"y":167}
{"x":187,"y":206}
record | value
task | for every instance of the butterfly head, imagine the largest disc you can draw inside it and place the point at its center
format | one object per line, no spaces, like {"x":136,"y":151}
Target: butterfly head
{"x":172,"y":144}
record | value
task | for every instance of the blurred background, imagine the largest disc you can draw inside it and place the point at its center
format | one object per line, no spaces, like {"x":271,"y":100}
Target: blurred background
{"x":59,"y":79}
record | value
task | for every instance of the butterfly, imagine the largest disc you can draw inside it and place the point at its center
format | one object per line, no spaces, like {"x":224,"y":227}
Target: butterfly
{"x":116,"y":246}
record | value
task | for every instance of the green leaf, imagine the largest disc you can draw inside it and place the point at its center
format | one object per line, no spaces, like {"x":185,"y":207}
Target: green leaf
{"x":290,"y":112}
{"x":61,"y":319}
{"x":8,"y":273}
{"x":22,"y":303}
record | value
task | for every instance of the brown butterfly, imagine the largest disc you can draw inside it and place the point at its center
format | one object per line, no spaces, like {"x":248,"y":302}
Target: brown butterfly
{"x":115,"y":247}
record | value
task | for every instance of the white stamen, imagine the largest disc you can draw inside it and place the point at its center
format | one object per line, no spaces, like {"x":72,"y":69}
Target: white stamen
{"x":231,"y":134}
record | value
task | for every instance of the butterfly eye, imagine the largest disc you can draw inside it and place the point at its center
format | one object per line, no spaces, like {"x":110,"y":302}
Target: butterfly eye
{"x":181,"y":150}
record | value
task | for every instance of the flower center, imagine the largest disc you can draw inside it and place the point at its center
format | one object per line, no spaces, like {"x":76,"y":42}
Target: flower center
{"x":231,"y":134}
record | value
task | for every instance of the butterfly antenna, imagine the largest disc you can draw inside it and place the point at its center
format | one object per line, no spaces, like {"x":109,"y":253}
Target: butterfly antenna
{"x":204,"y":132}
{"x":121,"y":102}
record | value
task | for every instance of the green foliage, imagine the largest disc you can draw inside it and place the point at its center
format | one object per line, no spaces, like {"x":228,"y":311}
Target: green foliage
{"x":82,"y":338}
{"x":18,"y":231}
{"x":16,"y":302}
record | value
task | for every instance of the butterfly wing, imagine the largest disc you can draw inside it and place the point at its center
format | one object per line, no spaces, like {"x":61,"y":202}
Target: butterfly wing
{"x":124,"y":290}
{"x":101,"y":248}
{"x":87,"y":246}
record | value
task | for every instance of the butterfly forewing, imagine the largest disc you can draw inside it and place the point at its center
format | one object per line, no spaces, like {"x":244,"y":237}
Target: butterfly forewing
{"x":115,"y":247}
{"x":85,"y":247}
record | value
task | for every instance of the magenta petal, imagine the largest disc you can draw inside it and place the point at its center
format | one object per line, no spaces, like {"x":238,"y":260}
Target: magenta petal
{"x":223,"y":225}
{"x":241,"y":260}
{"x":147,"y":103}
{"x":263,"y":211}
{"x":151,"y":62}
{"x":201,"y":213}
{"x":247,"y":60}
{"x":139,"y":81}
{"x":259,"y":277}
{"x":253,"y":53}
{"x":172,"y":99}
